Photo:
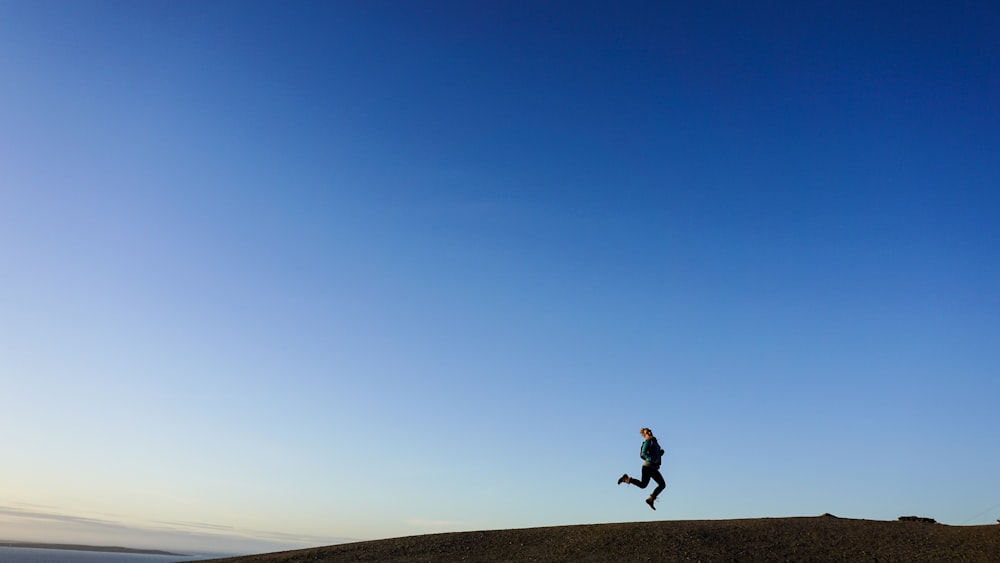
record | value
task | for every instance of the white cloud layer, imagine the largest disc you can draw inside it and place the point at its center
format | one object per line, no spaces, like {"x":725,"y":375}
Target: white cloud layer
{"x":26,"y":522}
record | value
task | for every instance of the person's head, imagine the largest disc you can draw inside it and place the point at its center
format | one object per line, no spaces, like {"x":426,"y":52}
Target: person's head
{"x":646,"y":433}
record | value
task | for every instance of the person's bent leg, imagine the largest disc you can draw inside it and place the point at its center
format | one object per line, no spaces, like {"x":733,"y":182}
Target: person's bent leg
{"x":645,"y":478}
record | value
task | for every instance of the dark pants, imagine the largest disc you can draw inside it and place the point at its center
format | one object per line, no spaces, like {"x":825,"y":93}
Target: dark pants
{"x":650,"y":471}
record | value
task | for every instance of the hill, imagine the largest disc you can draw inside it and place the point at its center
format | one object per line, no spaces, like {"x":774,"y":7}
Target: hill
{"x":823,"y":538}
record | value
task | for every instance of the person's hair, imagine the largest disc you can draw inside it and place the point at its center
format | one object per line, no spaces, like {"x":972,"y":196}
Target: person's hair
{"x":646,"y":431}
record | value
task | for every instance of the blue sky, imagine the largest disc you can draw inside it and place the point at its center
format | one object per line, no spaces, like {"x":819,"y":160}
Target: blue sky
{"x":282,"y":275}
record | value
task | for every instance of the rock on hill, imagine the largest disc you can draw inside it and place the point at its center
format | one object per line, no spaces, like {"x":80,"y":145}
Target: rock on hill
{"x":823,"y":538}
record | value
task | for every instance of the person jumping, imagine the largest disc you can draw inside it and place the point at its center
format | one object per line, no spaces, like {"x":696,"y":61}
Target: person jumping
{"x":651,"y":455}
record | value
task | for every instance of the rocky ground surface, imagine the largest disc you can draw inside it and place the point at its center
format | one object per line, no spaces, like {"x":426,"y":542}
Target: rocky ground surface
{"x":814,"y":539}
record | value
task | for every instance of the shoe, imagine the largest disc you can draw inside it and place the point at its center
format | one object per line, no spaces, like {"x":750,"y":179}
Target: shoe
{"x":650,"y":502}
{"x":624,"y":479}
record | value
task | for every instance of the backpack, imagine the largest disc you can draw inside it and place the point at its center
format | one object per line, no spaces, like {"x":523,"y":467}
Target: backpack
{"x":656,"y":452}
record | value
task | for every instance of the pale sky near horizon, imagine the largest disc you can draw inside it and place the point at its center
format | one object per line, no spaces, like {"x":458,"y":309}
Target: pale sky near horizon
{"x":284,"y":274}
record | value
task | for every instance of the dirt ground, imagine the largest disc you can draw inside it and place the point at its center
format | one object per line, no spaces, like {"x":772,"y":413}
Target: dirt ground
{"x":814,"y":539}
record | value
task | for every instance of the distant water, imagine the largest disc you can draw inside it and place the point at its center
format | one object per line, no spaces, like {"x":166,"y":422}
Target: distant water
{"x":33,"y":555}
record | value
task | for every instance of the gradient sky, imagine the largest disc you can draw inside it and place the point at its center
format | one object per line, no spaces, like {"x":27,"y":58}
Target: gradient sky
{"x":284,"y":274}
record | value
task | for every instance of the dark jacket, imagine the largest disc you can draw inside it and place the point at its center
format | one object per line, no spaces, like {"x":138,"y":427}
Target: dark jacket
{"x":650,"y":452}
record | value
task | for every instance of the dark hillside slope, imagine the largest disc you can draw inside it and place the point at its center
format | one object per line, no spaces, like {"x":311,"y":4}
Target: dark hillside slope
{"x":824,"y":538}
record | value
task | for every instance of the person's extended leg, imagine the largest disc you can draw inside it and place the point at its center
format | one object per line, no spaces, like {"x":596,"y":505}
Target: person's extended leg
{"x":660,"y":483}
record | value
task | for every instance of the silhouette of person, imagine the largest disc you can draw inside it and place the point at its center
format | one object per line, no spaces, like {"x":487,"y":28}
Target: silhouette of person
{"x":651,"y":455}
